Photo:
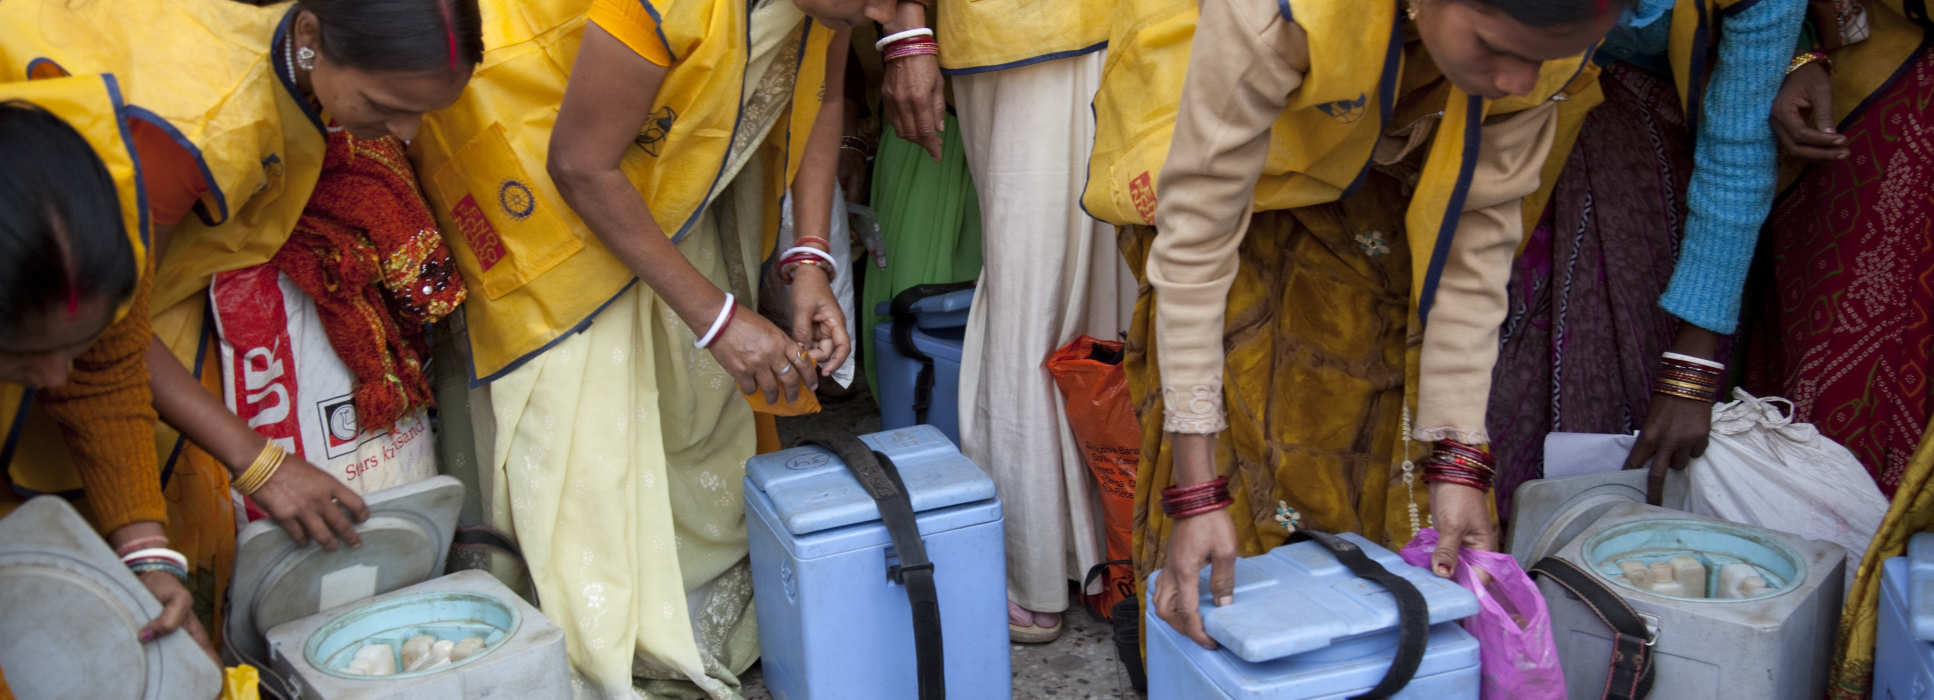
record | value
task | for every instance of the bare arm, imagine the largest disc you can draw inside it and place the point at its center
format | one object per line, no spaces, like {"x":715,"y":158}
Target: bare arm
{"x":610,"y":95}
{"x":818,"y":322}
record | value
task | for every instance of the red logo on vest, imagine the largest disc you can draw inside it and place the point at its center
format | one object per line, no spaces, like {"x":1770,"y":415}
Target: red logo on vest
{"x":1141,"y":191}
{"x":483,"y":239}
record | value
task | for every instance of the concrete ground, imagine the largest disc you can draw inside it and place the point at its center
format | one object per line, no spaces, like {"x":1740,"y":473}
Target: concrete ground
{"x":1081,"y":664}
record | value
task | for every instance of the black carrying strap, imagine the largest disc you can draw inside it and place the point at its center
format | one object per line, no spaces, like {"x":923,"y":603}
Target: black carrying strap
{"x":904,"y":322}
{"x":1631,"y":663}
{"x":1413,"y":613}
{"x":881,"y":480}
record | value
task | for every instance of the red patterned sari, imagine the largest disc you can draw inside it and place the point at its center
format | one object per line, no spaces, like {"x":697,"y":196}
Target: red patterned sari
{"x":1845,"y":330}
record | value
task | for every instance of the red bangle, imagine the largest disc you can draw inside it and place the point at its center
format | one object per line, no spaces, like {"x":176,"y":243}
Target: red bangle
{"x":140,"y":544}
{"x":1209,"y":508}
{"x":823,"y":243}
{"x":1220,"y":482}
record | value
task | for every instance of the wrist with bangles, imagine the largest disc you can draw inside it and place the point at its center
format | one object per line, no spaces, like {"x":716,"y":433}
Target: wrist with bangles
{"x":803,"y":253}
{"x":258,"y":473}
{"x":1459,"y":463}
{"x":1180,"y":502}
{"x":1688,"y":377}
{"x":918,"y":41}
{"x":1803,"y":58}
{"x":162,"y":559}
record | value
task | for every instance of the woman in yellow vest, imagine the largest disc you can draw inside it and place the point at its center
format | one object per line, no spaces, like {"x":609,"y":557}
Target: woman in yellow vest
{"x":1024,"y":74}
{"x":73,"y":316}
{"x":1849,"y":296}
{"x":612,"y":247}
{"x":1332,"y":228}
{"x":230,"y":114}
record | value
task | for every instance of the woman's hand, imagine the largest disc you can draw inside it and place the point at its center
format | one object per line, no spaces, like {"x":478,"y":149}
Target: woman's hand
{"x":310,"y":504}
{"x":1208,"y":540}
{"x":1463,"y":521}
{"x":761,"y":358}
{"x":1803,"y":115}
{"x":818,"y":322}
{"x":915,"y":102}
{"x":1676,"y":432}
{"x":177,"y":611}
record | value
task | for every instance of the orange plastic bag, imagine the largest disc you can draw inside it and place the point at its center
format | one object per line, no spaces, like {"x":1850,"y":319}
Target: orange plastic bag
{"x":1095,"y":392}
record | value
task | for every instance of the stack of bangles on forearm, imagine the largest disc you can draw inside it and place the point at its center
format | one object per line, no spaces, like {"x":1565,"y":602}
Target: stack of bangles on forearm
{"x":1688,"y":377}
{"x":912,"y":42}
{"x":1453,"y":462}
{"x":802,"y":253}
{"x":142,"y":560}
{"x":262,"y":469}
{"x":1187,"y":501}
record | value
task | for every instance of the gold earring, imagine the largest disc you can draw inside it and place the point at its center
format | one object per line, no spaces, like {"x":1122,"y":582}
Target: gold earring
{"x":1410,"y":11}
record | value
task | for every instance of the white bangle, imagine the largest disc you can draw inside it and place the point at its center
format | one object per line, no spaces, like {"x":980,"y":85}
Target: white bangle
{"x":718,"y":324}
{"x":832,"y":266}
{"x":908,"y":34}
{"x":157,"y":553}
{"x":1702,"y":362}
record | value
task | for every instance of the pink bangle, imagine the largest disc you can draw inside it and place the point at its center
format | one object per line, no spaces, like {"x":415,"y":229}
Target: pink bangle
{"x":1192,"y":512}
{"x":140,"y":544}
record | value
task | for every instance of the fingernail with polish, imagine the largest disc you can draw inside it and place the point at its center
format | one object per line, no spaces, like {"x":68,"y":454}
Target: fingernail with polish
{"x":147,"y":636}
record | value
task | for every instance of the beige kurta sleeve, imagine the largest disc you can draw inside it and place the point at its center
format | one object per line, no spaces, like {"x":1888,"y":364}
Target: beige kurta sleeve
{"x":1460,"y":344}
{"x":1246,"y":62}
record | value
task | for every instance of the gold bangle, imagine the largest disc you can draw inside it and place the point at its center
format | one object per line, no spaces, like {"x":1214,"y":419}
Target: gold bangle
{"x":265,"y":465}
{"x":1803,"y":59}
{"x":1681,"y":394}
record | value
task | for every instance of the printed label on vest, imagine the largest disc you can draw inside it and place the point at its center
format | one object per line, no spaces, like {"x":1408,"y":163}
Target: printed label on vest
{"x":483,"y":239}
{"x":1141,"y":191}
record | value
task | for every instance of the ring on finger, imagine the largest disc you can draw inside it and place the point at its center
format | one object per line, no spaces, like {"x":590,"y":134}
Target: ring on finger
{"x":782,"y":370}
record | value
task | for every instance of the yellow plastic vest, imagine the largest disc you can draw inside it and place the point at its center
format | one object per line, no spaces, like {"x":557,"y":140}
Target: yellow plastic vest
{"x":92,"y":105}
{"x":977,"y":36}
{"x":1320,"y":147}
{"x":536,"y":272}
{"x":202,"y":71}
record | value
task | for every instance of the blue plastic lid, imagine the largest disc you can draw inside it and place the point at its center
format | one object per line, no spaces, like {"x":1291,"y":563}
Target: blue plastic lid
{"x":1297,"y":598}
{"x":1920,"y":585}
{"x":811,"y":490}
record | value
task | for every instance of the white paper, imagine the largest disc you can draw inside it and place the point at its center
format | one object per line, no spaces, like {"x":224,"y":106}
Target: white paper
{"x":1578,"y":454}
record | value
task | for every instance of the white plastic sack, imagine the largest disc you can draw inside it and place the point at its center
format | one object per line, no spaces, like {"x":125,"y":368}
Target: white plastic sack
{"x":778,"y":305}
{"x":281,"y":375}
{"x":1765,"y":470}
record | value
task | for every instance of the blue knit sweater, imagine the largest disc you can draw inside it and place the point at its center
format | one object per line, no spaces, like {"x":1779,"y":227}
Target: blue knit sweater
{"x":1735,"y":160}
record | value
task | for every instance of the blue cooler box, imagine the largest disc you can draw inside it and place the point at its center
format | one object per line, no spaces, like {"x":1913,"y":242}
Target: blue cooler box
{"x":940,"y":327}
{"x":1904,"y":640}
{"x":831,"y":625}
{"x":1302,"y":626}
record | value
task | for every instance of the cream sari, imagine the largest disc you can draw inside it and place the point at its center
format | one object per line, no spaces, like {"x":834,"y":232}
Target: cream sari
{"x":616,"y":458}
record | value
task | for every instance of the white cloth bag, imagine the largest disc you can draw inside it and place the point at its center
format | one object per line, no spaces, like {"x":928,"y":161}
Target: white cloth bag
{"x":1765,"y":470}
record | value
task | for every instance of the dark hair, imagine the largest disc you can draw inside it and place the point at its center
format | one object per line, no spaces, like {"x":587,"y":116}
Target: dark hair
{"x":1554,"y":13}
{"x":62,"y":239}
{"x":416,"y":36}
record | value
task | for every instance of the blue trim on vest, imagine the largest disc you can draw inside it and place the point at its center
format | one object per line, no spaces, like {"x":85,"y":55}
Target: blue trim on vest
{"x":1447,"y":229}
{"x":201,"y":352}
{"x":659,"y":25}
{"x":13,"y":436}
{"x":134,"y":156}
{"x":1088,"y":174}
{"x":282,"y":30}
{"x":1043,"y":58}
{"x":738,"y":118}
{"x":43,"y":59}
{"x":1386,"y":99}
{"x":477,"y":382}
{"x":214,"y":188}
{"x":1282,"y":7}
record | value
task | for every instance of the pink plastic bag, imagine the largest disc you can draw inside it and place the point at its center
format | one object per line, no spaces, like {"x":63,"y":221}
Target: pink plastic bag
{"x":1512,"y":626}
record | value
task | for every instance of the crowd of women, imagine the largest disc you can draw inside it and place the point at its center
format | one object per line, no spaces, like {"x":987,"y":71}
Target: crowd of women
{"x":1365,"y":256}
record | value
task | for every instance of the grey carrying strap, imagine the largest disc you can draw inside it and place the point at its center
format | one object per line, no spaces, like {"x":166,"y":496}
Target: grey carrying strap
{"x":1413,"y":613}
{"x":881,"y":480}
{"x":1631,"y":663}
